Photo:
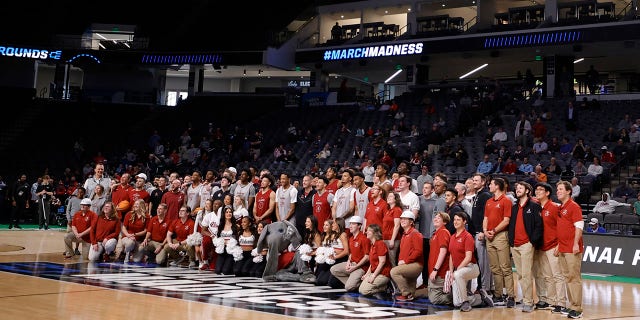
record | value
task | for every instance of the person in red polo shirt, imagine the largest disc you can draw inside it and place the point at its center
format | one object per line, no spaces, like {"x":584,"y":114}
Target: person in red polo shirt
{"x":410,"y":259}
{"x":351,"y":271}
{"x":80,"y":229}
{"x":570,"y":246}
{"x":377,"y":277}
{"x":104,"y":233}
{"x":181,"y":228}
{"x":156,"y":236}
{"x":497,"y":214}
{"x":438,"y":263}
{"x":463,"y":264}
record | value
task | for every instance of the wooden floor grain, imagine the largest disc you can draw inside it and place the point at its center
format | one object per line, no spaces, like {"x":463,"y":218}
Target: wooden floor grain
{"x":31,"y":297}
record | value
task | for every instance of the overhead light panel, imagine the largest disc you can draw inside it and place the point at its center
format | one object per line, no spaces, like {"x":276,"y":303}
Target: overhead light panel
{"x":474,"y":71}
{"x":578,"y":60}
{"x":393,"y":76}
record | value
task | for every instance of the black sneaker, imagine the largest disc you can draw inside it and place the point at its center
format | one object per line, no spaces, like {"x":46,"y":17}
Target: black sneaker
{"x":565,"y":311}
{"x":511,"y":302}
{"x":77,"y":252}
{"x":556,"y":309}
{"x":498,"y":301}
{"x":574,"y":314}
{"x":541,"y":305}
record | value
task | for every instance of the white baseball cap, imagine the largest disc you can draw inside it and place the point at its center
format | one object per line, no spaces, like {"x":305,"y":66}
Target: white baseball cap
{"x":233,"y":169}
{"x":593,"y":221}
{"x":142,"y":175}
{"x":356,"y":219}
{"x":85,"y":202}
{"x":408,"y":214}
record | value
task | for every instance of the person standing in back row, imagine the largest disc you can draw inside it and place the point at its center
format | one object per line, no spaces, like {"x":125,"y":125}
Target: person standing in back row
{"x":20,"y":195}
{"x":570,"y":247}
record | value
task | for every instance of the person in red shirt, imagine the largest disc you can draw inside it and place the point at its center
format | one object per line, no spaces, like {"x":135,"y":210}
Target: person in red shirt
{"x":391,"y":225}
{"x":120,"y":192}
{"x":104,"y":233}
{"x":462,"y":263}
{"x":181,"y":228}
{"x":549,"y":281}
{"x":174,"y":198}
{"x":410,"y":258}
{"x":80,"y":229}
{"x":509,"y":167}
{"x":265,"y":200}
{"x":438,"y":263}
{"x":322,"y":200}
{"x":570,"y":246}
{"x":377,"y":277}
{"x":351,"y":271}
{"x":156,"y":236}
{"x":134,"y":230}
{"x":376,"y":207}
{"x":497,"y":214}
{"x":525,"y":236}
{"x":334,"y":183}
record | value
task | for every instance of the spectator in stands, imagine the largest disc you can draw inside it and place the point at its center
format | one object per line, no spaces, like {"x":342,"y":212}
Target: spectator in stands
{"x":503,"y":152}
{"x":579,"y":150}
{"x":624,"y":191}
{"x":509,"y":167}
{"x":500,"y":136}
{"x":607,"y":205}
{"x":498,"y":166}
{"x":525,"y":167}
{"x":523,"y":129}
{"x":575,"y":188}
{"x":553,"y":168}
{"x":595,"y":227}
{"x":490,"y":148}
{"x":485,"y":166}
{"x":539,"y":129}
{"x":566,"y":150}
{"x":580,"y":170}
{"x":621,"y":151}
{"x":554,"y":146}
{"x":540,"y":147}
{"x":520,"y":153}
{"x":611,"y":135}
{"x":595,"y":169}
{"x":607,"y":156}
{"x":540,"y":175}
{"x":571,"y":117}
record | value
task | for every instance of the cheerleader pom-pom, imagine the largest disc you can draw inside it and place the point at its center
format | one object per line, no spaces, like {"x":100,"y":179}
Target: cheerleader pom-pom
{"x":219,"y":244}
{"x":254,"y":252}
{"x":194,"y":239}
{"x":305,"y":257}
{"x":257,"y":259}
{"x":236,"y":253}
{"x":304,"y":249}
{"x":330,"y":261}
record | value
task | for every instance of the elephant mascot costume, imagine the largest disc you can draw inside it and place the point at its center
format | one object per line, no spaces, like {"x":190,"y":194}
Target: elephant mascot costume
{"x":276,"y":237}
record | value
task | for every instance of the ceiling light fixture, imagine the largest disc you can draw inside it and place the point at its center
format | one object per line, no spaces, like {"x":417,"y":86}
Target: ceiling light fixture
{"x":578,"y":60}
{"x":474,"y":71}
{"x":393,"y":76}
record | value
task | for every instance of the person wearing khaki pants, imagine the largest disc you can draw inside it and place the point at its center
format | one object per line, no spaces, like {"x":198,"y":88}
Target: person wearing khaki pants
{"x":410,"y":259}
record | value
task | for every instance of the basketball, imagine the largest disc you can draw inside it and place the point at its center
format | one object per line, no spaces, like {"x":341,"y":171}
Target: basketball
{"x":124,"y":205}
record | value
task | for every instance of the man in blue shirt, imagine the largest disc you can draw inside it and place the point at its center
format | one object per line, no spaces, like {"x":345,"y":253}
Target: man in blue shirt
{"x":525,"y":167}
{"x":485,"y":166}
{"x":594,"y":226}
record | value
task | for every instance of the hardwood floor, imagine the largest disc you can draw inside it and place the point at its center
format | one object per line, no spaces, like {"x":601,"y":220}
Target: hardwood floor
{"x":37,"y":283}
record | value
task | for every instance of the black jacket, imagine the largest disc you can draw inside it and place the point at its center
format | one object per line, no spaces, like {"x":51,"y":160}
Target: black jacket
{"x":532,"y":222}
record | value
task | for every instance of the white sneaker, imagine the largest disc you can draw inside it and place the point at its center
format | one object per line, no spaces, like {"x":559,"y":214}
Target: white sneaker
{"x":192,"y":265}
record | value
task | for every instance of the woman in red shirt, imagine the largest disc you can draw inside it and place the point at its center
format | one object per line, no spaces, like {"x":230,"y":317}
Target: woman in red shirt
{"x":104,"y":233}
{"x":391,"y":225}
{"x":377,"y":277}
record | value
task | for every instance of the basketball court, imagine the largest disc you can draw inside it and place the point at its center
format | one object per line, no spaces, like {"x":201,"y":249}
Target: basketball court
{"x":36,"y":282}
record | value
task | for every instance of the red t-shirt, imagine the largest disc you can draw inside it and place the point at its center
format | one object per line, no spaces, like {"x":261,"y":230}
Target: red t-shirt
{"x":332,"y":187}
{"x":174,"y":201}
{"x":359,"y":246}
{"x":387,"y":222}
{"x":495,"y":210}
{"x":459,"y":245}
{"x":375,"y":212}
{"x":439,"y":239}
{"x":379,"y":249}
{"x":158,"y":229}
{"x":411,"y":247}
{"x":570,"y":212}
{"x":549,"y":223}
{"x":520,"y":237}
